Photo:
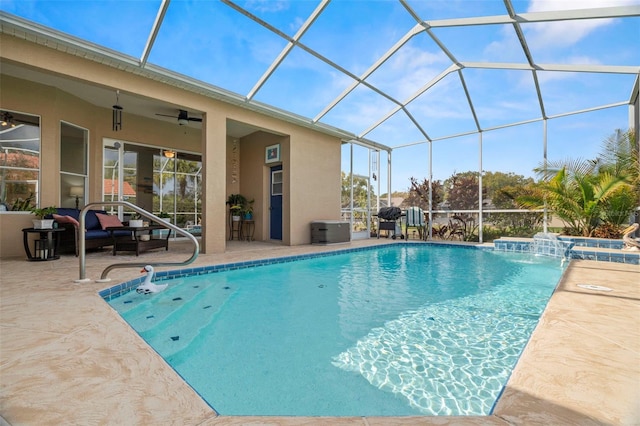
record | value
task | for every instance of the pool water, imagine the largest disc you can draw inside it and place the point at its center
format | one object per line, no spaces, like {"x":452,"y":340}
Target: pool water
{"x":393,"y":331}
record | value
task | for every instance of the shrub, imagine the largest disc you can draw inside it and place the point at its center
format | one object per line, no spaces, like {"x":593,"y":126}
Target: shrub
{"x":608,"y":230}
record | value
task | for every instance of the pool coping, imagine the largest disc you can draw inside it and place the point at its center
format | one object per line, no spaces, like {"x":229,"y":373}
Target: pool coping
{"x":67,"y":357}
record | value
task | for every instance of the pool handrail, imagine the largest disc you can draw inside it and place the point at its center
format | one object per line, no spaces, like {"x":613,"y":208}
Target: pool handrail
{"x":143,"y":213}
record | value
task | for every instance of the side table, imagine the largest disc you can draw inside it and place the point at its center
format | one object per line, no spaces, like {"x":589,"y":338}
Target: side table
{"x":248,"y":228}
{"x":46,"y":245}
{"x":235,"y":229}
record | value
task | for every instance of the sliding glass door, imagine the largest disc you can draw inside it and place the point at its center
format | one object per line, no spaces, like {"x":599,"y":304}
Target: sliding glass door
{"x":178,"y":181}
{"x":119,"y":174}
{"x":74,"y":173}
{"x":164,"y":182}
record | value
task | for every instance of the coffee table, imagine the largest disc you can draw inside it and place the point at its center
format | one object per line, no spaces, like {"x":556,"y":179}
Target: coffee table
{"x":142,"y":238}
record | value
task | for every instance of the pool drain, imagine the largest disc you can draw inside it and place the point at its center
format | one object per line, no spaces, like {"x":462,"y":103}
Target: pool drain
{"x":594,"y":287}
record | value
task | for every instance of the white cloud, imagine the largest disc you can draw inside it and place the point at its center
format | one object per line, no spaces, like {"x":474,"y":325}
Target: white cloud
{"x":549,"y":76}
{"x":551,"y":5}
{"x":267,"y":5}
{"x":566,"y":33}
{"x":409,"y":69}
{"x":411,"y":57}
{"x":296,"y":24}
{"x":504,"y":49}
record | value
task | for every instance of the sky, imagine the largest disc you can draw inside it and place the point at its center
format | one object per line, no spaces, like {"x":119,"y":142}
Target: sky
{"x":215,"y":43}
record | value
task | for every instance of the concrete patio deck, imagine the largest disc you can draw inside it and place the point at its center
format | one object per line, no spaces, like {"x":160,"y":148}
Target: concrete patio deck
{"x":67,"y":358}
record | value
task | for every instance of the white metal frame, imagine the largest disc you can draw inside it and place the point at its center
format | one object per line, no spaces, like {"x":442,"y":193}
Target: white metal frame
{"x":18,"y":27}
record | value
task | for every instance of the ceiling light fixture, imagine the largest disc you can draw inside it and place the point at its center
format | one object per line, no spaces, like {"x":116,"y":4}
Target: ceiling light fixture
{"x":7,"y":120}
{"x":168,"y":153}
{"x":117,"y":114}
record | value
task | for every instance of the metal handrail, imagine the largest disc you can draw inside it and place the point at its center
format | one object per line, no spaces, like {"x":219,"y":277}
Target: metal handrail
{"x":143,"y":213}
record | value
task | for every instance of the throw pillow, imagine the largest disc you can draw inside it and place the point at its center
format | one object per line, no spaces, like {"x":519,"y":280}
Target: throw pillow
{"x":65,"y":219}
{"x":108,"y":220}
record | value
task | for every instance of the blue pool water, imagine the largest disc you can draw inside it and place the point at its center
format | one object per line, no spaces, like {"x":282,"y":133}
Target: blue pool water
{"x":404,"y":329}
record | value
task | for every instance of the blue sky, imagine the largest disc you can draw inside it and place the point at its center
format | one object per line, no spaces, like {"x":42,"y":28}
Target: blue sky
{"x":212,"y":42}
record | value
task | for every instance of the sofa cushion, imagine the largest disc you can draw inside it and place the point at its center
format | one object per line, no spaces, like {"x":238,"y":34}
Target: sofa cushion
{"x":105,"y":235}
{"x":91,"y":221}
{"x":107,"y":220}
{"x":65,"y":219}
{"x":74,"y":213}
{"x":95,"y":234}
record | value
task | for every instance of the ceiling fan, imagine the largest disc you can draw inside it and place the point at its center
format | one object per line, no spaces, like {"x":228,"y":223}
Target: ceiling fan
{"x":8,"y":120}
{"x":183,"y":117}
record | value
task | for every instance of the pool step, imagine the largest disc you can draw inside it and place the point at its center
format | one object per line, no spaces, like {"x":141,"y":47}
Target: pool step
{"x":177,"y":330}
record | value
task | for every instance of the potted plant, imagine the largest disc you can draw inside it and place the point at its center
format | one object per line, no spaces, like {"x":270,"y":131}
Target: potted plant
{"x":136,"y":221}
{"x":20,"y":204}
{"x":40,"y":222}
{"x":236,"y":203}
{"x":236,"y":212}
{"x":248,"y":210}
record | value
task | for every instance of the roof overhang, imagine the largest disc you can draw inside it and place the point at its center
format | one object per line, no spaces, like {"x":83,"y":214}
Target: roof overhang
{"x":32,"y":32}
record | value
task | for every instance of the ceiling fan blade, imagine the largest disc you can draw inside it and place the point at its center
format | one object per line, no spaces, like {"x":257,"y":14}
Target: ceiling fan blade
{"x":183,"y":115}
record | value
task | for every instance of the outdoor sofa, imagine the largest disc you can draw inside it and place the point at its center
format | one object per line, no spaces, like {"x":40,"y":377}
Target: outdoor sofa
{"x":95,"y":236}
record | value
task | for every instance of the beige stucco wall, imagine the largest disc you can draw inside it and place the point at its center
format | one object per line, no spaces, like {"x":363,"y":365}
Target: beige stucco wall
{"x":314,"y":168}
{"x":311,"y":160}
{"x":311,"y":173}
{"x":54,"y":106}
{"x":255,"y":178}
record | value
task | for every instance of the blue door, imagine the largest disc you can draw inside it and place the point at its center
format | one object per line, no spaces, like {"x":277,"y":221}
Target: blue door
{"x":275,"y":208}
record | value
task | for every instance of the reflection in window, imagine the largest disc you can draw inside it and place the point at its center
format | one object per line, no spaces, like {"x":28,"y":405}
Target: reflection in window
{"x":74,"y":144}
{"x":110,"y":171}
{"x":177,"y":185}
{"x":276,"y":182}
{"x":19,"y":160}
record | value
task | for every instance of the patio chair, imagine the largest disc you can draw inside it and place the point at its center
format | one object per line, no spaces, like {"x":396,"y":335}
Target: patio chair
{"x":414,"y":217}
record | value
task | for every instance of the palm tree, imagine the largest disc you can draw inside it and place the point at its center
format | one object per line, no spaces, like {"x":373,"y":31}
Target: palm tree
{"x":620,"y":157}
{"x":579,"y":198}
{"x":584,"y":193}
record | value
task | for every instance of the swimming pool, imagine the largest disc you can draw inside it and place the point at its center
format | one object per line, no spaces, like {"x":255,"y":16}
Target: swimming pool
{"x":403,"y":329}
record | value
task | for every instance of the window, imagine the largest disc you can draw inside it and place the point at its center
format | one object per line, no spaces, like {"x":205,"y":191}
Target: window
{"x":165,"y":182}
{"x":19,"y":160}
{"x":178,"y":187}
{"x":276,"y":182}
{"x":73,"y":165}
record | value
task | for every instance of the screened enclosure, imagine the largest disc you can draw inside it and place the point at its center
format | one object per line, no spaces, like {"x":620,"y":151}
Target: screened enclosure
{"x":467,"y":98}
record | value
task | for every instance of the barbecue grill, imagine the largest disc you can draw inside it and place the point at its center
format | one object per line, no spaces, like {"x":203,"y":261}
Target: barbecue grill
{"x":390,"y":220}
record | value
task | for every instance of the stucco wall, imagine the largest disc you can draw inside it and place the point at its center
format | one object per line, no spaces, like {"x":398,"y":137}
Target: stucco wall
{"x":54,"y":106}
{"x":11,"y":235}
{"x":315,"y":172}
{"x":255,"y":178}
{"x":313,"y":182}
{"x":311,"y":176}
